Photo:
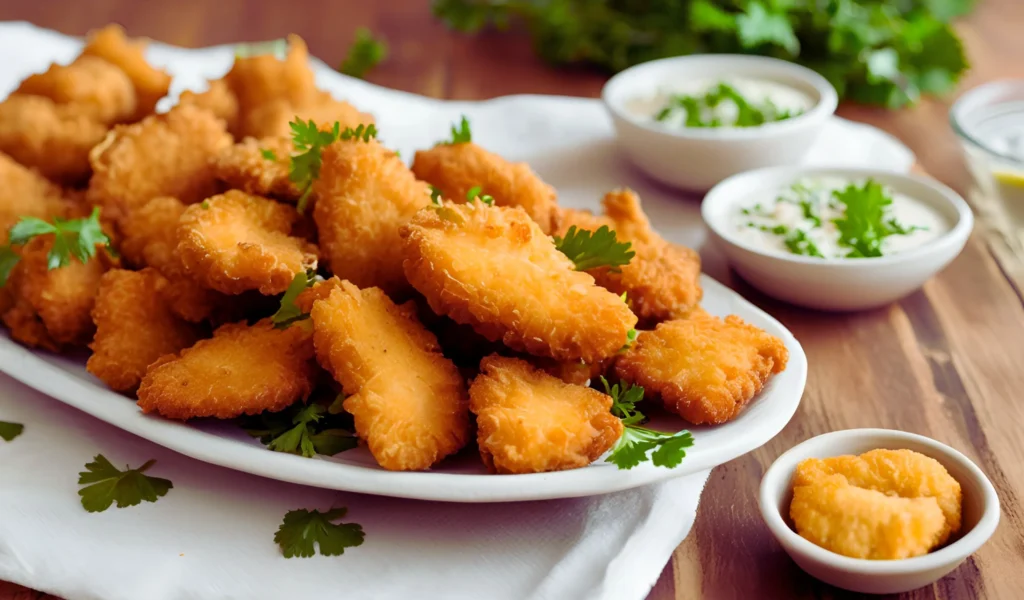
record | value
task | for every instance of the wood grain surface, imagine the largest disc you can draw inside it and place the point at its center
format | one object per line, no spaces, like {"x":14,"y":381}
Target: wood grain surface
{"x":946,"y":362}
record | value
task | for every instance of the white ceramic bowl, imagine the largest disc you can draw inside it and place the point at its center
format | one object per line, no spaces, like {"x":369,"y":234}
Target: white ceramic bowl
{"x":980,"y":514}
{"x":839,"y":283}
{"x":698,"y":158}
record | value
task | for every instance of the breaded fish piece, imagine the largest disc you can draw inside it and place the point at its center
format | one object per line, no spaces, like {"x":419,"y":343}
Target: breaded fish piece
{"x":902,"y":473}
{"x":90,"y":85}
{"x":26,"y":193}
{"x":494,"y":269}
{"x":236,"y":242}
{"x":134,"y":327}
{"x":163,"y":155}
{"x":408,"y":401}
{"x":241,"y":370}
{"x":243,"y":167}
{"x":111,"y":44}
{"x":864,"y":523}
{"x":51,"y":138}
{"x":531,"y":422}
{"x":455,"y":169}
{"x":272,"y":119}
{"x":218,"y":99}
{"x":60,"y":299}
{"x":703,"y":368}
{"x":364,"y":195}
{"x":662,"y":281}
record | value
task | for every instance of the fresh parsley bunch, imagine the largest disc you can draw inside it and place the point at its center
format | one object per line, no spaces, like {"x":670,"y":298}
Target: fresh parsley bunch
{"x":873,"y":51}
{"x":639,"y":444}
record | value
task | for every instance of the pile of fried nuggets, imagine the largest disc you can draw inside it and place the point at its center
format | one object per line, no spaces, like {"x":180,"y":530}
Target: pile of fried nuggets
{"x":200,"y":208}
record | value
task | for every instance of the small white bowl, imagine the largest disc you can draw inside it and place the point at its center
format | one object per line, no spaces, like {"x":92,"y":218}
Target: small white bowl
{"x":837,"y":283}
{"x":980,"y":514}
{"x":698,"y":158}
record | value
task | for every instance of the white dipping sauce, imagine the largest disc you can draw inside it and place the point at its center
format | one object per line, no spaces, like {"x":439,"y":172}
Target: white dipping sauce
{"x":766,"y":209}
{"x":756,"y":91}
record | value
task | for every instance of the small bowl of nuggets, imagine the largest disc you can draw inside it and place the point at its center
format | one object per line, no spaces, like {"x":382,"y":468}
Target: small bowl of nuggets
{"x":878,"y":511}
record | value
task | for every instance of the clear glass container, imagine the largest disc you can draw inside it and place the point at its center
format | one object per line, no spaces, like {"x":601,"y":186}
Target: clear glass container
{"x":989,"y":120}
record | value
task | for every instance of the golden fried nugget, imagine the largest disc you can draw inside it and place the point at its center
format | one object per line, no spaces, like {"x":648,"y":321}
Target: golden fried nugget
{"x":236,"y":242}
{"x":569,"y":371}
{"x":409,"y":402}
{"x":530,"y":422}
{"x":260,"y":80}
{"x":91,"y":85}
{"x":26,"y":193}
{"x":662,"y":281}
{"x":494,"y":269}
{"x":163,"y":155}
{"x":134,"y":327}
{"x":218,"y":99}
{"x":365,"y":194}
{"x":902,"y":473}
{"x":241,"y":370}
{"x":61,"y":298}
{"x":53,"y":139}
{"x":703,"y":368}
{"x":243,"y":167}
{"x":455,"y":169}
{"x":272,"y":119}
{"x":111,"y":44}
{"x":864,"y":523}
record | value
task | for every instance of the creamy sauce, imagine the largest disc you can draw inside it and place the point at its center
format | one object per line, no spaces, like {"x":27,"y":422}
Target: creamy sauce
{"x":771,"y":217}
{"x":758,"y":92}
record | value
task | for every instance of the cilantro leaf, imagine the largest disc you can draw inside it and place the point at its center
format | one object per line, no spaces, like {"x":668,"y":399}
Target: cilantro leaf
{"x":76,"y":238}
{"x":128,"y":488}
{"x":288,"y":312}
{"x":309,"y":142}
{"x":306,"y":430}
{"x":476,"y":193}
{"x":9,"y":431}
{"x":8,"y":259}
{"x":758,"y":26}
{"x":624,"y":401}
{"x":640,"y":444}
{"x":268,"y":154}
{"x":865,"y":223}
{"x":592,"y":249}
{"x":365,"y":53}
{"x":302,"y":531}
{"x":460,"y":134}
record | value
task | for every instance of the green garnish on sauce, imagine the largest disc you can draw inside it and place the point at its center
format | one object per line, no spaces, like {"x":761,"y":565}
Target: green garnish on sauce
{"x":701,"y":110}
{"x":865,"y":223}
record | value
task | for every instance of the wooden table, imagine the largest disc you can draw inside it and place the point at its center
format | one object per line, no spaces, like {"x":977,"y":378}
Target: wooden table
{"x":947,"y":362}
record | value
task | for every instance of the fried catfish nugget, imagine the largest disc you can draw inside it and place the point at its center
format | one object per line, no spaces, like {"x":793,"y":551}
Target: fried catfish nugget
{"x":218,"y":99}
{"x":26,"y":193}
{"x":894,"y":473}
{"x":408,"y":401}
{"x":91,"y":85}
{"x":494,"y":269}
{"x":531,"y":422}
{"x":662,"y":281}
{"x":703,"y":368}
{"x":241,"y":370}
{"x":455,"y":169}
{"x":236,"y":242}
{"x":163,"y":155}
{"x":54,"y":139}
{"x":59,"y":300}
{"x":112,"y":45}
{"x":364,"y":195}
{"x":272,"y":118}
{"x":243,"y":166}
{"x":134,"y":327}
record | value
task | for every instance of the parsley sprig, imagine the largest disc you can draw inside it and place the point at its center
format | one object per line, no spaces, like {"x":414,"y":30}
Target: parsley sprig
{"x":365,"y":53}
{"x":9,"y":431}
{"x":128,"y":488}
{"x":72,"y":238}
{"x":700,"y":110}
{"x":303,"y":531}
{"x":289,"y":312}
{"x":306,"y":430}
{"x":309,"y":142}
{"x":640,"y":444}
{"x":591,"y":249}
{"x":461,"y":133}
{"x":476,"y":193}
{"x":864,"y":225}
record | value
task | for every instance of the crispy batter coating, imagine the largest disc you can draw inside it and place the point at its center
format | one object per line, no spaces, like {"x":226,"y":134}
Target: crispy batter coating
{"x":457,"y":168}
{"x":530,"y":422}
{"x":236,"y":242}
{"x":163,"y":155}
{"x":241,"y":370}
{"x":409,"y":402}
{"x":243,"y":167}
{"x":26,"y":193}
{"x":901,"y":473}
{"x":134,"y":327}
{"x":569,"y":371}
{"x":365,"y":194}
{"x":111,"y":44}
{"x":60,"y":299}
{"x":54,"y":139}
{"x":218,"y":99}
{"x":494,"y":269}
{"x":663,"y":280}
{"x":271,"y":119}
{"x":91,"y":85}
{"x":703,"y":368}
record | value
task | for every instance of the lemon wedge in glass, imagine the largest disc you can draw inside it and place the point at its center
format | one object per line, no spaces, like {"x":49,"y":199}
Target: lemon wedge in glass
{"x":1010,"y":185}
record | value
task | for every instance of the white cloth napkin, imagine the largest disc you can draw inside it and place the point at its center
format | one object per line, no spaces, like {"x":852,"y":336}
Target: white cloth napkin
{"x":211,"y":537}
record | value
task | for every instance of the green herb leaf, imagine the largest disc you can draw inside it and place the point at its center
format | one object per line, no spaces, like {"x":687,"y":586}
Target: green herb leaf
{"x":9,"y":431}
{"x":865,"y":223}
{"x":309,"y":142}
{"x":303,"y":429}
{"x":461,"y":133}
{"x":303,"y":531}
{"x":476,"y":193}
{"x":365,"y":53}
{"x":268,"y":154}
{"x":592,"y":249}
{"x":758,"y":26}
{"x":76,"y":238}
{"x":8,"y":259}
{"x":624,"y":399}
{"x":640,"y":444}
{"x":288,"y":312}
{"x":128,"y":488}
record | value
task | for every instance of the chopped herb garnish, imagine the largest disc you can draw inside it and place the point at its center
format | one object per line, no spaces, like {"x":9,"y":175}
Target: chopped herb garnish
{"x":365,"y":53}
{"x":128,"y":488}
{"x":9,"y":431}
{"x":288,"y":312}
{"x":303,"y":429}
{"x":268,"y":154}
{"x":640,"y":444}
{"x":863,"y":225}
{"x":592,"y":249}
{"x":303,"y":531}
{"x":699,"y":110}
{"x":476,"y":193}
{"x":76,"y":238}
{"x":799,"y":243}
{"x":309,"y":142}
{"x":460,"y":134}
